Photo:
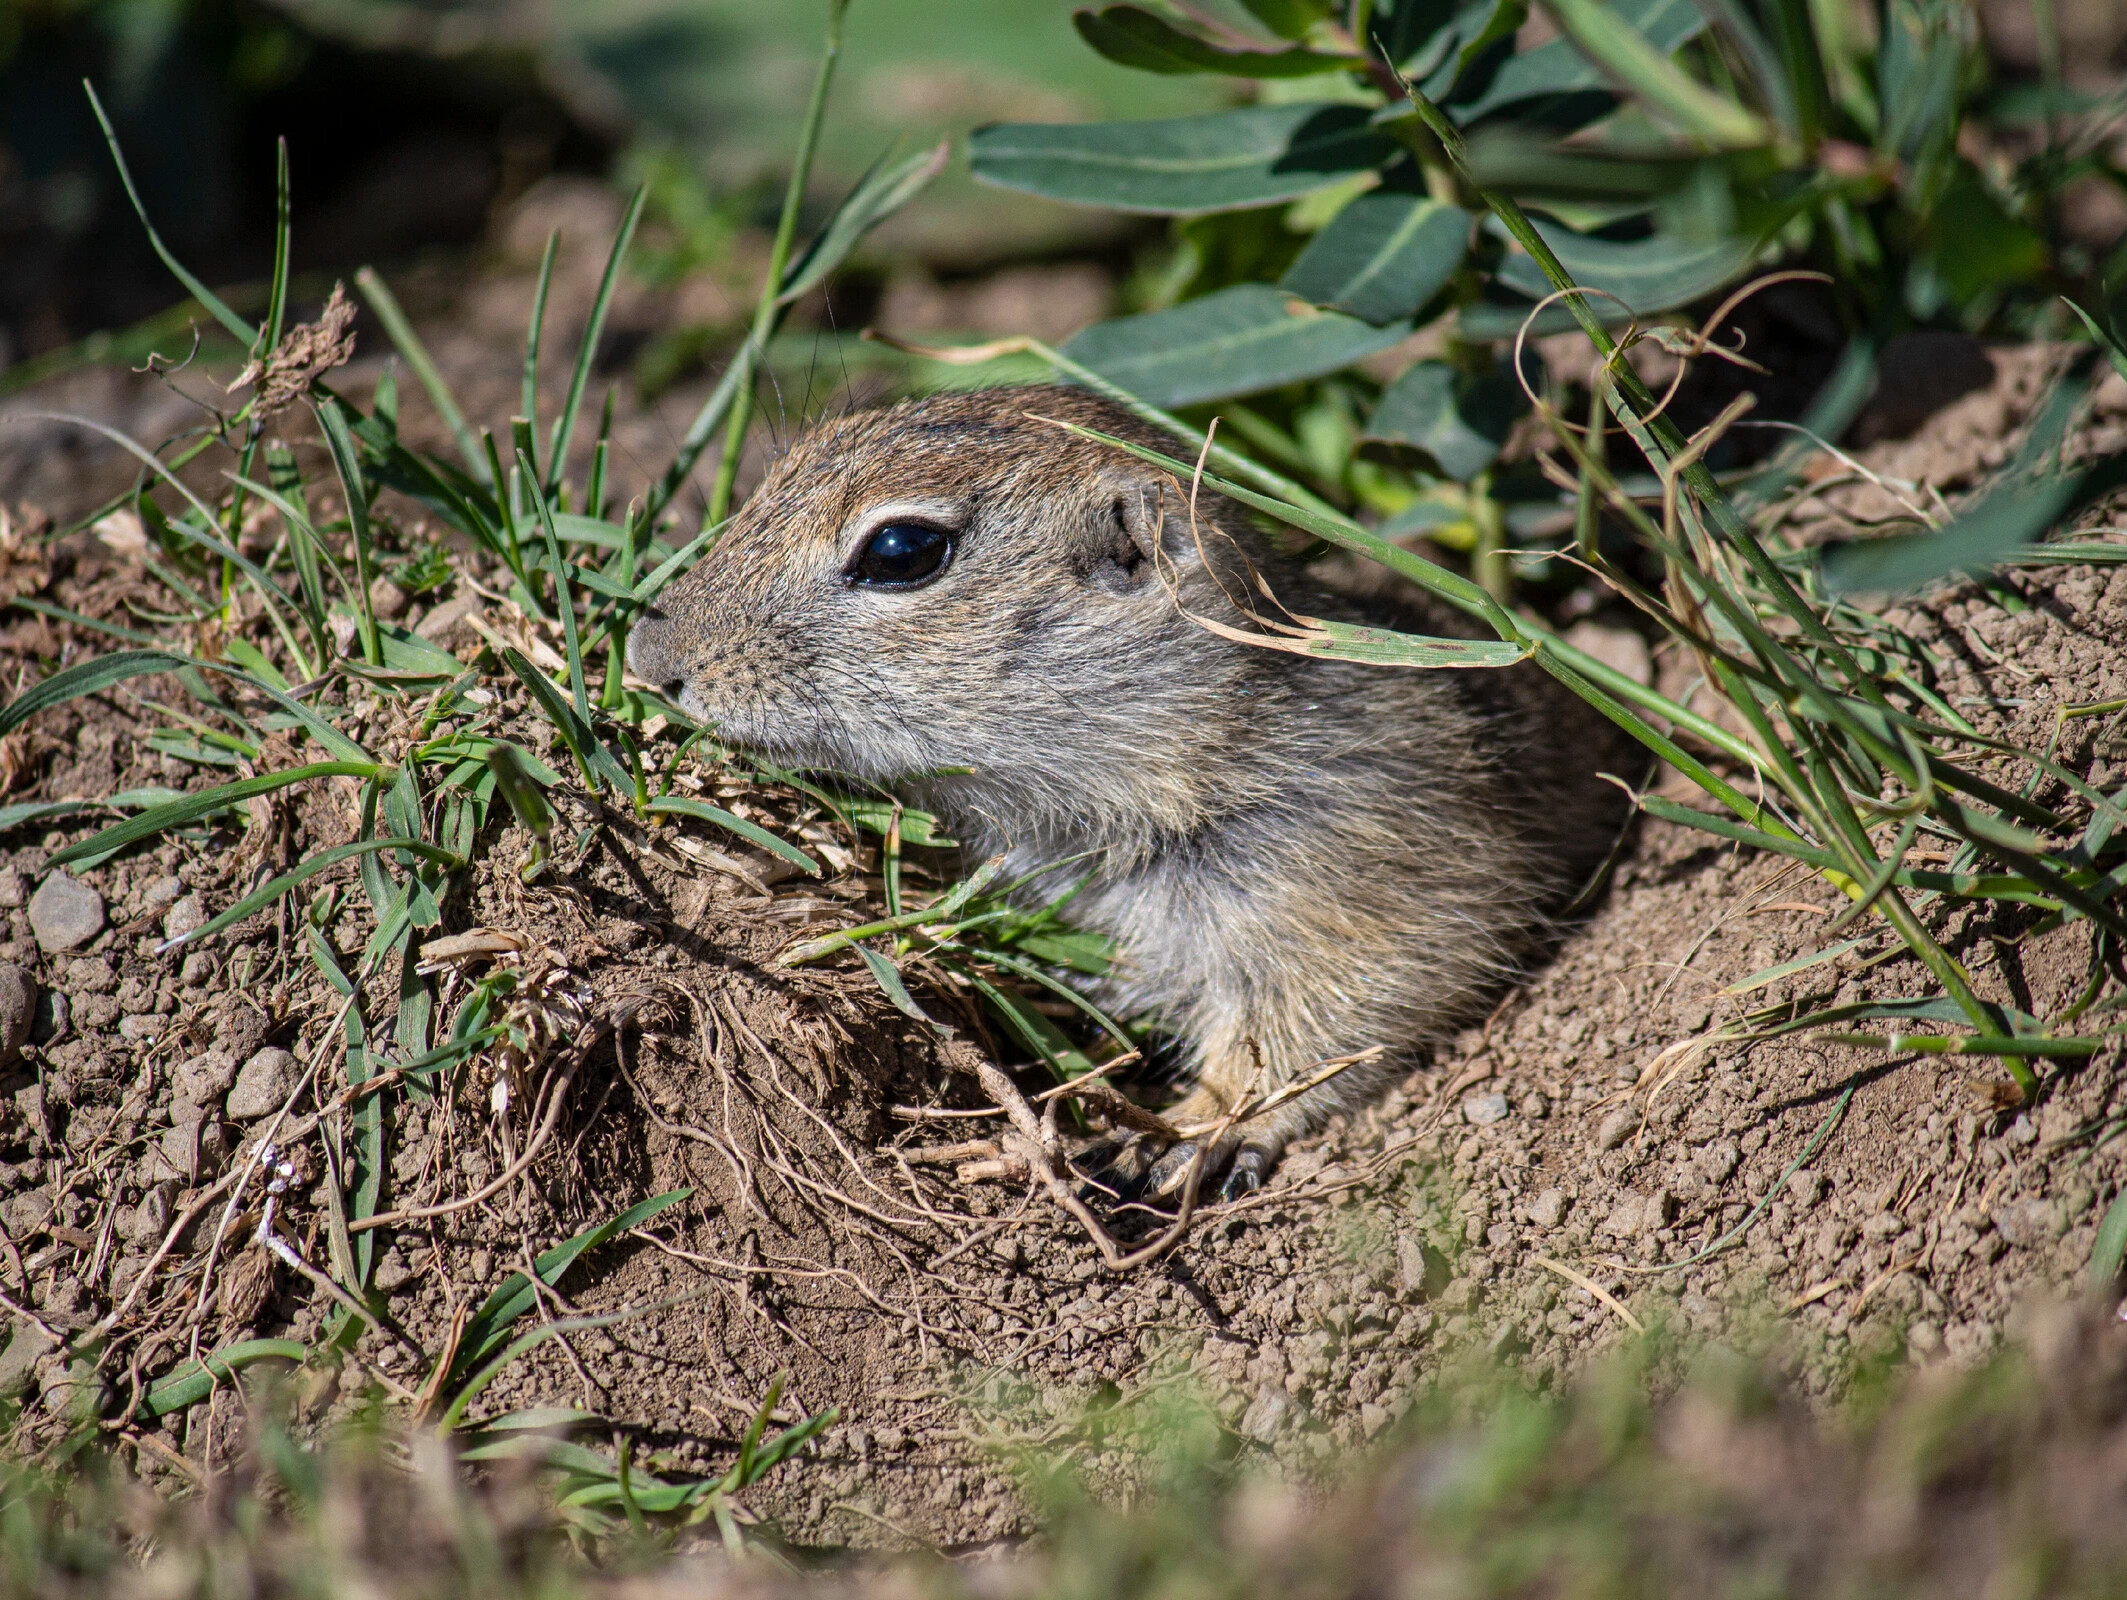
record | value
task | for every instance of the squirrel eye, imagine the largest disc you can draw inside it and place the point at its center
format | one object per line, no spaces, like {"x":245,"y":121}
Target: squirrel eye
{"x":901,"y":555}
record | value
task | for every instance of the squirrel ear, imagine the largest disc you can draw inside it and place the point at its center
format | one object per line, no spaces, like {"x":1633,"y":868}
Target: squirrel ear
{"x":1143,"y":511}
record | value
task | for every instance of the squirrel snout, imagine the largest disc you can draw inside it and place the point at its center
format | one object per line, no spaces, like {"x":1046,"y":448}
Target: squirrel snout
{"x":657,"y":653}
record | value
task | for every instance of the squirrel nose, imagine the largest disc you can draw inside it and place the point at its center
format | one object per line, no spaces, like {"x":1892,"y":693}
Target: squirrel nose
{"x":657,"y":653}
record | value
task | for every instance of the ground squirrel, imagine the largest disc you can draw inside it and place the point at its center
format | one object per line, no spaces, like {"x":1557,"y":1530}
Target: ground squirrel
{"x":1297,"y":859}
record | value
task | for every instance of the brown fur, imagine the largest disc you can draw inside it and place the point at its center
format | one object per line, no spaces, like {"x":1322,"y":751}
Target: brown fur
{"x":1297,"y":859}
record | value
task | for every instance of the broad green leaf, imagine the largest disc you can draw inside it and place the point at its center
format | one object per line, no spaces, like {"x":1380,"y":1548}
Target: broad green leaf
{"x":1383,"y":256}
{"x":1289,"y":19}
{"x":1974,"y":247}
{"x":1217,"y":162}
{"x":1648,"y":275}
{"x":1560,"y":72}
{"x":1459,"y":422}
{"x":882,"y":191}
{"x":673,"y":805}
{"x":1419,"y":36}
{"x":1134,"y":37}
{"x":1489,"y":23}
{"x":1249,"y":337}
{"x":191,"y":807}
{"x":917,"y":827}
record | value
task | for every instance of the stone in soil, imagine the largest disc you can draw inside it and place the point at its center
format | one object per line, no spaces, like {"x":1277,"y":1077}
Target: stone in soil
{"x":186,"y":914}
{"x":65,"y":914}
{"x":202,"y":1080}
{"x":1482,"y":1110}
{"x":263,"y":1084}
{"x":18,"y":1009}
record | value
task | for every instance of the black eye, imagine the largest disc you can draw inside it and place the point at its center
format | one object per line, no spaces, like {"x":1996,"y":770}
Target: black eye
{"x":900,"y":555}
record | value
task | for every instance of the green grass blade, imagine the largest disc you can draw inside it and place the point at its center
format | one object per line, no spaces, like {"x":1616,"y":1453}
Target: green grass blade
{"x":242,"y":330}
{"x":277,"y":296}
{"x":339,"y":442}
{"x":267,"y":893}
{"x":193,"y":1381}
{"x":534,"y":335}
{"x":677,"y":806}
{"x":2107,"y":1249}
{"x":564,"y":602}
{"x":696,"y":439}
{"x":87,"y":677}
{"x":488,"y":1327}
{"x":283,"y":490}
{"x":593,"y":759}
{"x":890,"y":982}
{"x":878,"y":195}
{"x":278,"y":604}
{"x":587,"y":352}
{"x":1627,"y":55}
{"x":356,"y":1250}
{"x":766,"y":312}
{"x":204,"y":803}
{"x":408,"y":343}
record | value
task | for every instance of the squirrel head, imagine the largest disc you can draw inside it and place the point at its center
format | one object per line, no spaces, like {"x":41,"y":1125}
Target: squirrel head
{"x":957,"y":582}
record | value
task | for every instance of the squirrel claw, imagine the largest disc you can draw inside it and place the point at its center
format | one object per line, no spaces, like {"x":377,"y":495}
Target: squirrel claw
{"x":1251,"y":1164}
{"x":1114,"y":1169}
{"x":1171,"y":1171}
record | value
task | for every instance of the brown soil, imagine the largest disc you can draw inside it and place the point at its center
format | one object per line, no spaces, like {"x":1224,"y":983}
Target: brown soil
{"x":1476,"y":1209}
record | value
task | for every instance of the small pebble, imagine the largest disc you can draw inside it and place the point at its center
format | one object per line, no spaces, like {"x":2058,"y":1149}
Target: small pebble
{"x":387,"y":599}
{"x":1806,"y":1187}
{"x":18,"y":1009}
{"x":2028,"y":1223}
{"x":1548,"y":1209}
{"x":1616,"y":1128}
{"x":14,"y":890}
{"x":263,"y":1084}
{"x":1481,"y":1110}
{"x":1265,"y":1415}
{"x":164,"y":890}
{"x":204,"y":1079}
{"x":187,"y":914}
{"x":1636,"y":1214}
{"x":65,"y":914}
